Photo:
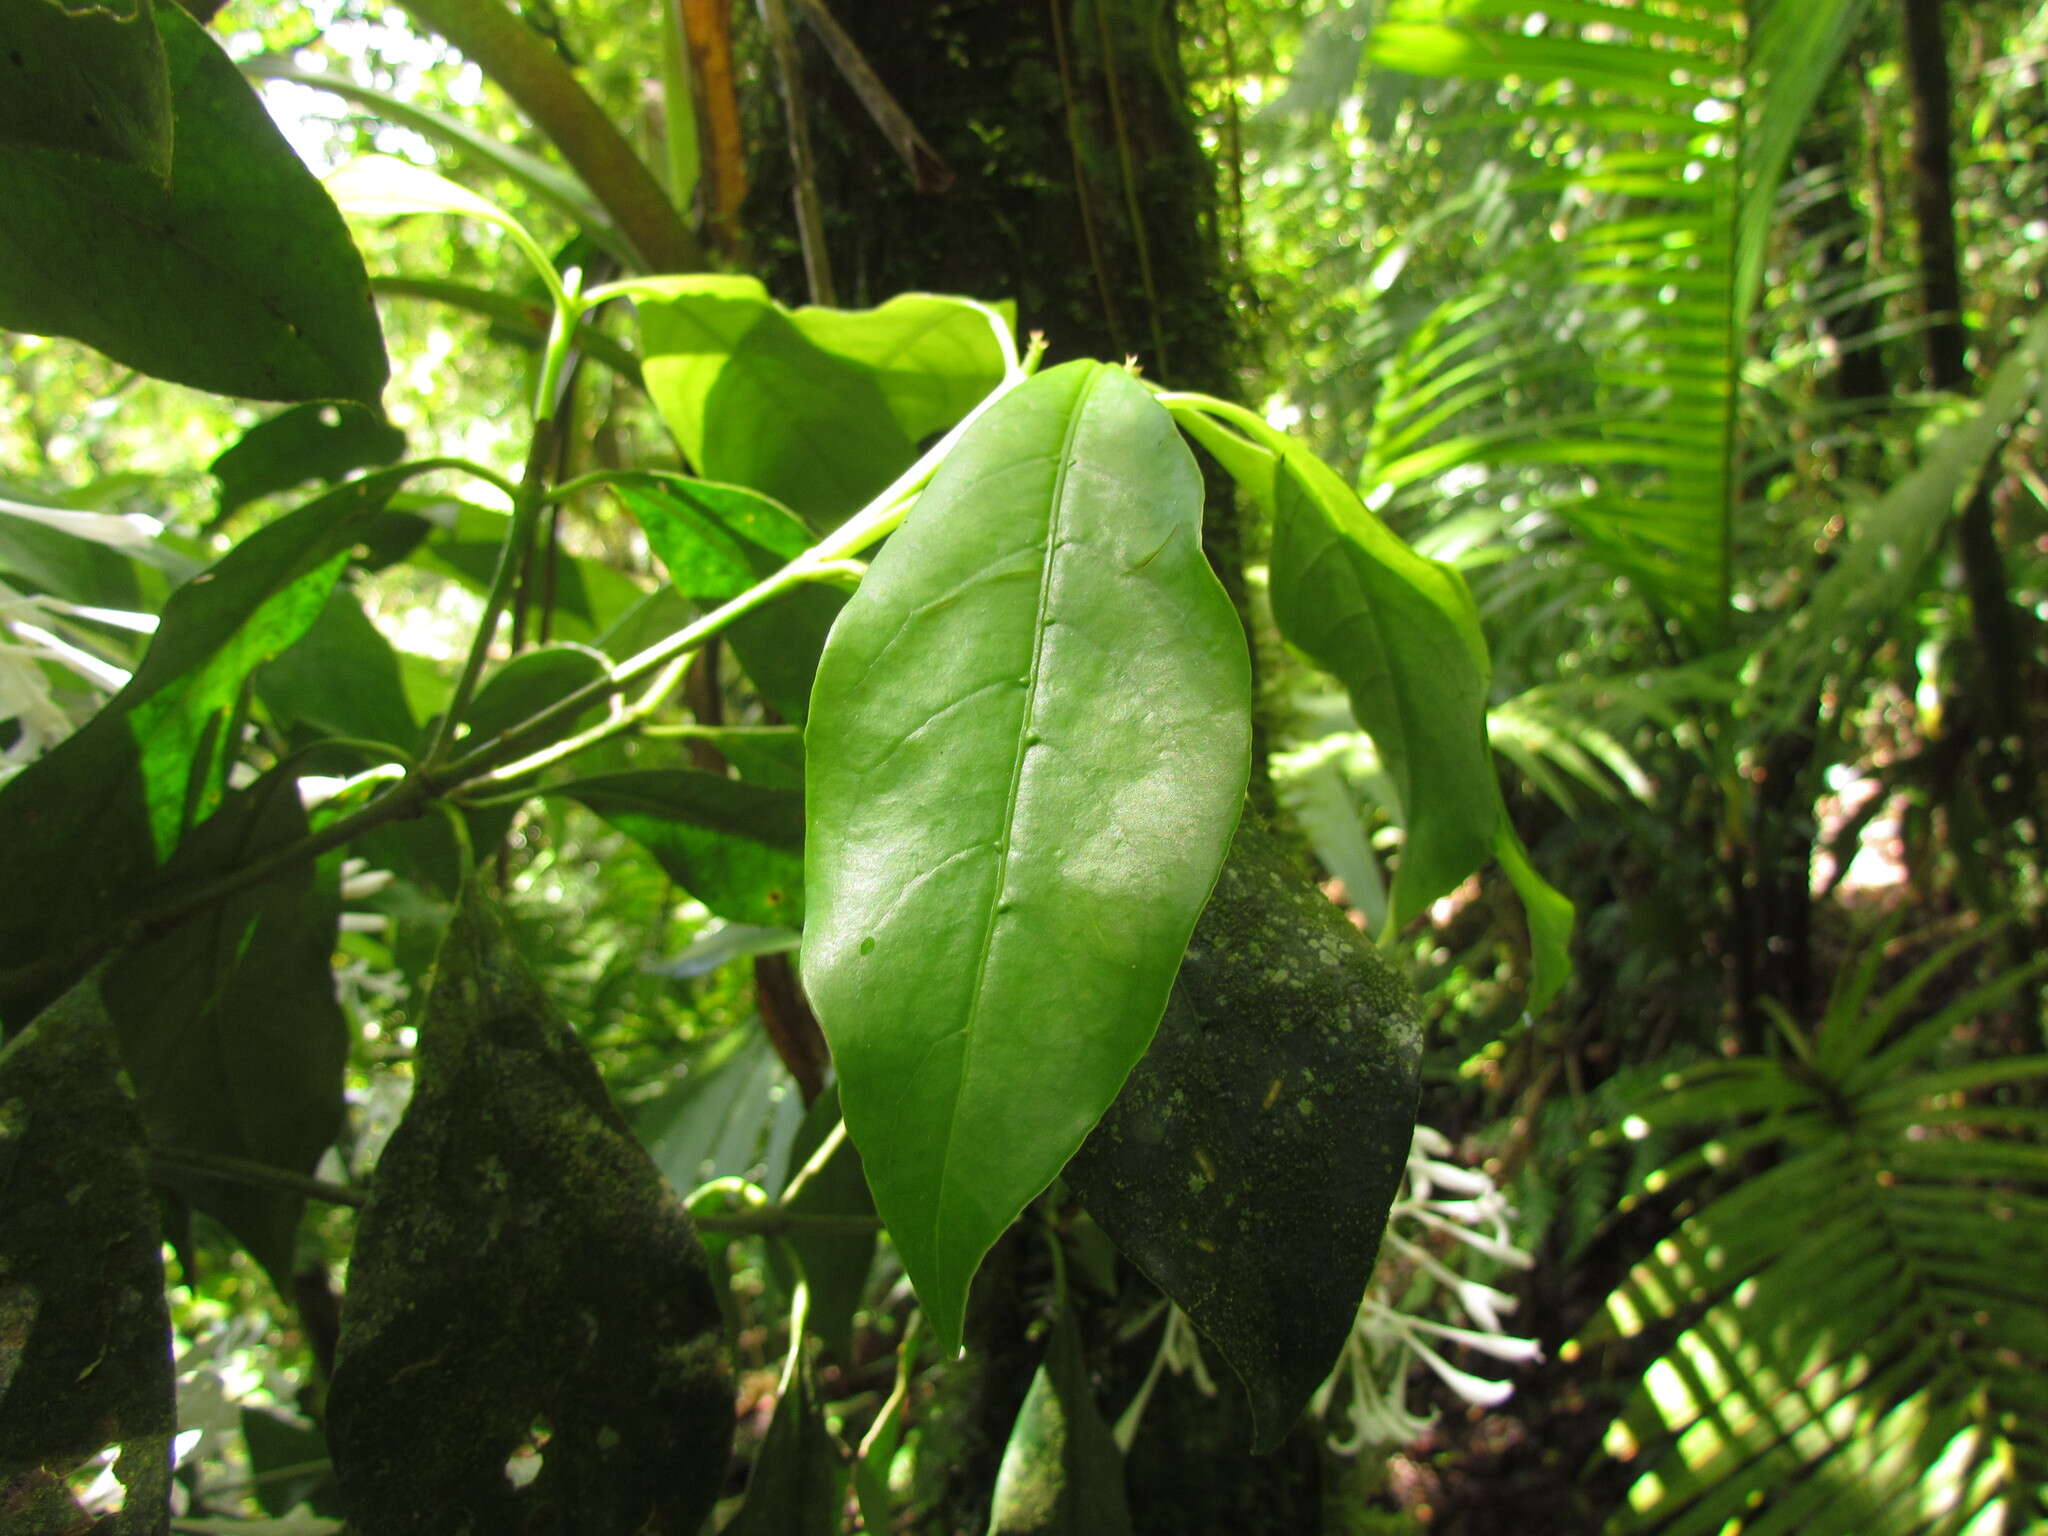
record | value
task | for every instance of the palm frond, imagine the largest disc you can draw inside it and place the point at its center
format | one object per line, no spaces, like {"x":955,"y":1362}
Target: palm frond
{"x":1661,"y":158}
{"x":1861,"y":1330}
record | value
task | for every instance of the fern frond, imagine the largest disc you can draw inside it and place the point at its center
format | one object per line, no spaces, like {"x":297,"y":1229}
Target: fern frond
{"x":1862,"y":1328}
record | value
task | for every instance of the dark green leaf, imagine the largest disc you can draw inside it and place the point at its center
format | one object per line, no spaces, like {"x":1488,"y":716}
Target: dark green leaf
{"x":1027,"y":748}
{"x":755,"y":402}
{"x":719,"y":540}
{"x":1062,"y":1474}
{"x":796,"y":1486}
{"x":228,"y":1022}
{"x":735,"y":846}
{"x":79,"y":570}
{"x":342,"y":676}
{"x":521,"y":1267}
{"x":287,"y":1464}
{"x":1248,"y":1164}
{"x":769,"y":755}
{"x":129,"y":782}
{"x":88,"y":81}
{"x":240,"y":278}
{"x":85,"y":1357}
{"x":315,"y":441}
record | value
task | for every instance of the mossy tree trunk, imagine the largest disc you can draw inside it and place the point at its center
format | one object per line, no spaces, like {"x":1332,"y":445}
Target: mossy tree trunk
{"x":1079,"y":189}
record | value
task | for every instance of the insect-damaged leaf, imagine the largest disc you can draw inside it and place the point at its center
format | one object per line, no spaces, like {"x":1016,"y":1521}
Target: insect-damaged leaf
{"x":86,"y":81}
{"x":1027,"y":746}
{"x":522,"y":1266}
{"x":85,"y":1356}
{"x":234,"y":275}
{"x":1248,"y":1164}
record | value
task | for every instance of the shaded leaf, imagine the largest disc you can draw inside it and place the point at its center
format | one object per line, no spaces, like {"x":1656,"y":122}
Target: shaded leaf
{"x":315,"y":441}
{"x":521,"y":1265}
{"x":238,"y":277}
{"x":754,"y":401}
{"x":1061,"y":1473}
{"x":1028,"y":743}
{"x":719,"y":540}
{"x":722,"y":945}
{"x":85,"y":1353}
{"x":736,"y":847}
{"x":728,"y":1111}
{"x":795,"y":1486}
{"x":286,"y":1464}
{"x":342,"y":676}
{"x":835,"y":1266}
{"x":86,"y":81}
{"x":228,"y":1021}
{"x":152,"y":761}
{"x":1249,"y":1162}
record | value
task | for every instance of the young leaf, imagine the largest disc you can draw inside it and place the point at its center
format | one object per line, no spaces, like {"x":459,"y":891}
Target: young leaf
{"x":1249,"y":1162}
{"x":1027,"y":748}
{"x":237,"y":276}
{"x":754,"y":401}
{"x":736,"y":847}
{"x":86,"y":81}
{"x":84,"y":1338}
{"x":306,"y":442}
{"x":1062,"y":1474}
{"x":521,"y":1264}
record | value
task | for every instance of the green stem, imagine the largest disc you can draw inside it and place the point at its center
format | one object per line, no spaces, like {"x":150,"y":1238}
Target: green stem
{"x":242,"y":1170}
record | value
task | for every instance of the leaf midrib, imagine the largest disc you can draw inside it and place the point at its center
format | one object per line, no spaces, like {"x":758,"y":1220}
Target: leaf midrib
{"x":1061,"y":470}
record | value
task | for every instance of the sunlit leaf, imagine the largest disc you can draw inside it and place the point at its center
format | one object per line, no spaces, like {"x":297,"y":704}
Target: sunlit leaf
{"x":1027,"y":747}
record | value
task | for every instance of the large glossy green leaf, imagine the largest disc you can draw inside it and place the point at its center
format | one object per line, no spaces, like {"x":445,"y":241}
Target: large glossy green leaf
{"x":228,"y":1022}
{"x":522,"y":1273}
{"x":1027,"y":748}
{"x":88,"y":80}
{"x":151,"y":762}
{"x":238,"y":277}
{"x":1248,"y":1164}
{"x":1061,"y":1473}
{"x":719,"y":540}
{"x":84,"y":1338}
{"x":754,"y":401}
{"x":315,"y":441}
{"x":735,"y":846}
